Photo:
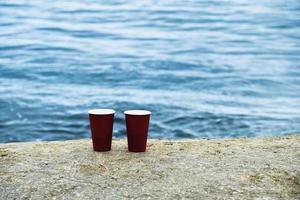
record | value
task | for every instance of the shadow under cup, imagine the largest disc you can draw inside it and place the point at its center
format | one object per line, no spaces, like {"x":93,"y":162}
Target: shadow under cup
{"x":137,"y":124}
{"x":101,"y":123}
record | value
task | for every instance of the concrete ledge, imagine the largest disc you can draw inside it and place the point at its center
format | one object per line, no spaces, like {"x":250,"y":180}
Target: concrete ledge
{"x":244,"y":168}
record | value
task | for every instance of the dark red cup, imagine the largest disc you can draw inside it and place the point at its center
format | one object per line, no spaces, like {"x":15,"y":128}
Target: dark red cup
{"x":101,"y":123}
{"x":137,"y":124}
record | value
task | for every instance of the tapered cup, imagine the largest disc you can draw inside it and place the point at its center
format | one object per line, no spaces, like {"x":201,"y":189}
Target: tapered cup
{"x":137,"y":125}
{"x":101,"y":123}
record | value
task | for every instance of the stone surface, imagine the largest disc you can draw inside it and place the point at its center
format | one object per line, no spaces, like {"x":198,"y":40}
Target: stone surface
{"x":243,"y":168}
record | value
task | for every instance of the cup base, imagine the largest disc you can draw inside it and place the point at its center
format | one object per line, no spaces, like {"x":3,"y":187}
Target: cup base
{"x":101,"y":150}
{"x":136,"y":151}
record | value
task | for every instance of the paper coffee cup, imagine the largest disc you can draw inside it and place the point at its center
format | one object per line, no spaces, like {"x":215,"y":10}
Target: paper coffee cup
{"x":101,"y":123}
{"x":137,"y":124}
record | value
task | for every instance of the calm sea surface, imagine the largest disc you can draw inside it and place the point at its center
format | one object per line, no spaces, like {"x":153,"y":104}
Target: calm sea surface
{"x":204,"y":68}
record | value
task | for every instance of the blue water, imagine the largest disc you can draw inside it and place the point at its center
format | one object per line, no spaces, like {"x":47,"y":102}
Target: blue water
{"x":207,"y":69}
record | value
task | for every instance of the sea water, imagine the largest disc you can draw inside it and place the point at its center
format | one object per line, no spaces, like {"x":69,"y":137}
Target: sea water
{"x":205,"y":69}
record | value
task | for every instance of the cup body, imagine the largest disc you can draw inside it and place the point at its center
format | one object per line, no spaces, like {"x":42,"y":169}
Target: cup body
{"x":101,"y":123}
{"x":137,"y":124}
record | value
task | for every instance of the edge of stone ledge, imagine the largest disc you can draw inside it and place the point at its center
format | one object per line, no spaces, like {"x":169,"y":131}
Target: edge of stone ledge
{"x":163,"y":140}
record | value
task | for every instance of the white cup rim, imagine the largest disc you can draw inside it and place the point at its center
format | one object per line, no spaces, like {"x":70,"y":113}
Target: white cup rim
{"x":100,"y":111}
{"x":137,"y":112}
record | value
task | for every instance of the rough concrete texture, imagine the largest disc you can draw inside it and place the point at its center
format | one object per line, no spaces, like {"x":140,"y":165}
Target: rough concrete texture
{"x":244,"y":168}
